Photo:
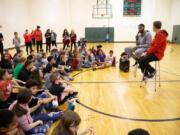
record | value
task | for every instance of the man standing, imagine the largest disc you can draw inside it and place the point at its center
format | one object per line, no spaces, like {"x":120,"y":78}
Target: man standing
{"x":1,"y":43}
{"x":155,"y":52}
{"x":38,"y":38}
{"x":143,"y":41}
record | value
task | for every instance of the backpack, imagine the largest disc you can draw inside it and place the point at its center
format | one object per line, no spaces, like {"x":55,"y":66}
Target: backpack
{"x":124,"y":62}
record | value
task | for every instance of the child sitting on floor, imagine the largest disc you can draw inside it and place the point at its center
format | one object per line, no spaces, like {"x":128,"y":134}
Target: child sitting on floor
{"x":77,"y":62}
{"x":6,"y":84}
{"x":8,"y":123}
{"x":42,"y":95}
{"x":69,"y":125}
{"x":89,"y":59}
{"x":31,"y":125}
{"x":62,"y":92}
{"x":111,"y":59}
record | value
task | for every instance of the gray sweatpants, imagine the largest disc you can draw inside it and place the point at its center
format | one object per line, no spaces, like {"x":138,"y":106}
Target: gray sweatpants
{"x":135,"y":52}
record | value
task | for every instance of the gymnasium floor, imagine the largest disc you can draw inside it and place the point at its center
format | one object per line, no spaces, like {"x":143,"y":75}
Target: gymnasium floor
{"x":113,"y":102}
{"x":119,"y":94}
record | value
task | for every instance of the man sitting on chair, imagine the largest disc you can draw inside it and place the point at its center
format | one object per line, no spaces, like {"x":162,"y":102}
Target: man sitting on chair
{"x":143,"y":41}
{"x":155,"y":52}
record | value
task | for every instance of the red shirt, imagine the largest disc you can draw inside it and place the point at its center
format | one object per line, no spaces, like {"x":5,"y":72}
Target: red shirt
{"x":27,"y":38}
{"x":38,"y":35}
{"x":75,"y":63}
{"x":32,"y":35}
{"x":5,"y":89}
{"x":158,"y":45}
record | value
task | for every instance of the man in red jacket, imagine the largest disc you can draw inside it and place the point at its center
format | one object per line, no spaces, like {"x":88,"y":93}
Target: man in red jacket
{"x":155,"y":52}
{"x":38,"y":38}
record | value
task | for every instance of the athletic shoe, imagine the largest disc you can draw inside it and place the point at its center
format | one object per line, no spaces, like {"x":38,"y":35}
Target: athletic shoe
{"x":151,"y":75}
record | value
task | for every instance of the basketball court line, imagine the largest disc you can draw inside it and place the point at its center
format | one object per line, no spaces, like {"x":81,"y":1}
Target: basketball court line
{"x":122,"y":117}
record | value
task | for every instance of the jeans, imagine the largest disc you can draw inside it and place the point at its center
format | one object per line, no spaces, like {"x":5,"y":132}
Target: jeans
{"x":48,"y":47}
{"x":17,"y":48}
{"x":46,"y":106}
{"x":48,"y":118}
{"x":73,"y":43}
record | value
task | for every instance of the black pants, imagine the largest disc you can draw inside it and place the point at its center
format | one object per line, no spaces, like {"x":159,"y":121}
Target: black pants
{"x":64,"y":46}
{"x":28,"y":47}
{"x":144,"y":64}
{"x":1,"y":49}
{"x":73,"y":43}
{"x":33,"y":41}
{"x":48,"y":47}
{"x":39,"y":45}
{"x":54,"y":43}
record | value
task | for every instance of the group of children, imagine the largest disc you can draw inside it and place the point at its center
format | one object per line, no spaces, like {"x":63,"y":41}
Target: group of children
{"x":36,"y":38}
{"x":42,"y":83}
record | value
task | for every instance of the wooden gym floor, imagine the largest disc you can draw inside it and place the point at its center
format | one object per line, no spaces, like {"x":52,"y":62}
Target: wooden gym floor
{"x":113,"y":102}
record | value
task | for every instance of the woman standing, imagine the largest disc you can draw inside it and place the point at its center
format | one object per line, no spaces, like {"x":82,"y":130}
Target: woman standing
{"x":66,"y":38}
{"x":28,"y":44}
{"x":73,"y":38}
{"x":53,"y":38}
{"x":48,"y":40}
{"x":33,"y":38}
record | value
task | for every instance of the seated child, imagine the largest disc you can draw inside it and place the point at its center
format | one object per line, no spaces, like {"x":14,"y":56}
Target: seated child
{"x":64,"y":63}
{"x":6,"y":84}
{"x":101,"y":61}
{"x":89,"y":59}
{"x":17,"y":57}
{"x":31,"y":124}
{"x":32,"y":56}
{"x":6,"y":62}
{"x":19,"y":67}
{"x":59,"y":68}
{"x":69,"y":125}
{"x":77,"y":61}
{"x":8,"y":123}
{"x":42,"y":95}
{"x":62,"y":92}
{"x":111,"y":59}
{"x":44,"y":60}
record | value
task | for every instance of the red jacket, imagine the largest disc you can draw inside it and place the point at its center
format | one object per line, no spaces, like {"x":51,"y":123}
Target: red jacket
{"x":38,"y":35}
{"x":27,"y":38}
{"x":158,"y":44}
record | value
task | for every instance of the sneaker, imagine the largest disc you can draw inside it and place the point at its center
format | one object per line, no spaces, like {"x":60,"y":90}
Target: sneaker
{"x":93,"y":69}
{"x":144,"y":79}
{"x":71,"y":78}
{"x":135,"y":63}
{"x":151,"y":75}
